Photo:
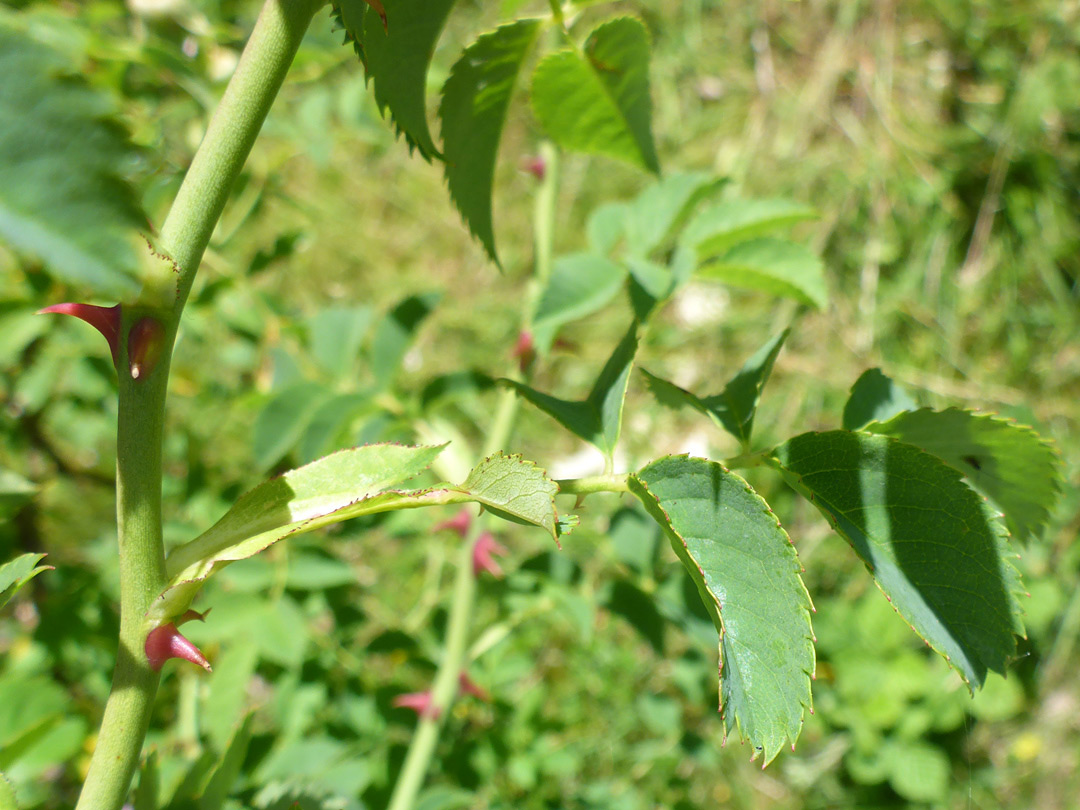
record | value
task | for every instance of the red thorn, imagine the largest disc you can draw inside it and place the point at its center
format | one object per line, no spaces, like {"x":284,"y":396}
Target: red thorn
{"x":105,"y":319}
{"x":419,"y":702}
{"x":483,"y":549}
{"x":459,"y":524}
{"x":469,"y":687}
{"x":165,"y":642}
{"x":536,"y":166}
{"x":193,"y":616}
{"x":146,"y":340}
{"x":524,"y":351}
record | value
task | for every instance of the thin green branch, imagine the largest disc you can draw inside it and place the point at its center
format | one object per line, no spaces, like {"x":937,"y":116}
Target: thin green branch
{"x":591,"y":484}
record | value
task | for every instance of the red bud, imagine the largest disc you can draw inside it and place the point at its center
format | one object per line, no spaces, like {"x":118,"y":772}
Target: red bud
{"x":535,"y":166}
{"x":524,"y":351}
{"x":165,"y":642}
{"x":105,"y":319}
{"x":419,"y":702}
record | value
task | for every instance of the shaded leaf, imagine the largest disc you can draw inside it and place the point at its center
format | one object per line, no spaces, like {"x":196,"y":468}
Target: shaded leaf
{"x":62,"y":195}
{"x":336,"y":336}
{"x":398,"y":47}
{"x":14,"y":492}
{"x":14,"y":574}
{"x":773,"y":266}
{"x":580,"y":284}
{"x":606,"y":226}
{"x":874,"y":398}
{"x":284,"y":419}
{"x":1009,"y":463}
{"x":747,"y":574}
{"x":473,"y":112}
{"x":931,"y":543}
{"x":598,"y":418}
{"x":515,"y":490}
{"x":329,"y":422}
{"x":733,"y":409}
{"x":597,"y":100}
{"x":716,"y":229}
{"x":395,"y":334}
{"x":453,"y":385}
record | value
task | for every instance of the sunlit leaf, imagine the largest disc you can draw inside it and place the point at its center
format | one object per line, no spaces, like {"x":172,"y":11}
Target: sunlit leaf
{"x":747,"y":574}
{"x":717,"y":228}
{"x":14,"y":574}
{"x":773,"y":266}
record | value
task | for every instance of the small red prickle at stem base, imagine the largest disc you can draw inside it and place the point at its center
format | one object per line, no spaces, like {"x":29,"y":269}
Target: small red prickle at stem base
{"x":419,"y":702}
{"x":165,"y":642}
{"x":146,"y":340}
{"x":483,"y":555}
{"x":105,"y":319}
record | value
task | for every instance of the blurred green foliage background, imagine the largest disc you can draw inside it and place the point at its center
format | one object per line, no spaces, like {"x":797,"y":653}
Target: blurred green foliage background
{"x":940,"y":143}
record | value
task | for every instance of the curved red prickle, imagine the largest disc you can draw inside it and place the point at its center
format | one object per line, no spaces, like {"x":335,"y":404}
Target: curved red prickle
{"x":146,"y":340}
{"x":419,"y":702}
{"x":469,"y":687}
{"x":105,"y":319}
{"x":165,"y":642}
{"x":483,"y":551}
{"x":459,"y":523}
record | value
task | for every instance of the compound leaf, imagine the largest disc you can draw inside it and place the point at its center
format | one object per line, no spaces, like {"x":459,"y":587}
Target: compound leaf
{"x":874,"y":398}
{"x":14,"y":574}
{"x":598,"y":418}
{"x":62,"y":195}
{"x":1009,"y":463}
{"x":747,"y":573}
{"x":933,"y":546}
{"x":472,"y":111}
{"x":774,"y":266}
{"x":597,"y":100}
{"x":733,"y":409}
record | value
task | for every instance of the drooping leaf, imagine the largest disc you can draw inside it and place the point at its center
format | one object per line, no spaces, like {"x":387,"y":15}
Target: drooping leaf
{"x":598,"y":418}
{"x":397,"y":56}
{"x":395,"y":334}
{"x":580,"y":284}
{"x":596,"y":100}
{"x":14,"y":574}
{"x":716,"y":229}
{"x":747,"y":574}
{"x":63,"y":197}
{"x":652,"y":219}
{"x":933,"y":546}
{"x":875,"y":398}
{"x":1009,"y":463}
{"x":733,"y":409}
{"x":473,"y":111}
{"x":344,"y":485}
{"x":774,"y":266}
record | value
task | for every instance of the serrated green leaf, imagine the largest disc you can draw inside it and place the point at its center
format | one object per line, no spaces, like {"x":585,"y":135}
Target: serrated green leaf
{"x":349,"y":16}
{"x":62,"y":195}
{"x":874,"y":398}
{"x":14,"y":574}
{"x":344,"y":485}
{"x":716,"y":229}
{"x":395,"y":334}
{"x":1009,"y":463}
{"x":733,"y":409}
{"x":580,"y":284}
{"x":597,"y":100}
{"x":773,"y":266}
{"x":747,"y":573}
{"x":598,"y":418}
{"x":473,"y":111}
{"x":931,"y":543}
{"x":397,"y":58}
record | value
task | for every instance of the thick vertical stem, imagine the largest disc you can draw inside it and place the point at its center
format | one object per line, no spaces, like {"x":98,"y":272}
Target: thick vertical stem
{"x":184,"y":237}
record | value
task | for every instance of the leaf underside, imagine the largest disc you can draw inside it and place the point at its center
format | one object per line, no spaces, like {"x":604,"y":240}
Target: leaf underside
{"x":1009,"y":463}
{"x":934,"y":547}
{"x":747,"y":573}
{"x":473,"y":111}
{"x":62,"y":196}
{"x":596,"y":100}
{"x":874,"y":398}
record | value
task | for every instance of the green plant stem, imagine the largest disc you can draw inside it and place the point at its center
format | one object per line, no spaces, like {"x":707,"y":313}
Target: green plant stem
{"x":591,"y":484}
{"x":141,"y":417}
{"x":447,"y":680}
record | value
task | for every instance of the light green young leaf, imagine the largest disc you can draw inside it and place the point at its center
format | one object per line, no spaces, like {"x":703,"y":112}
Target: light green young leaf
{"x":14,"y":574}
{"x":733,"y":409}
{"x":597,"y":100}
{"x":337,"y":334}
{"x":63,"y":198}
{"x":473,"y":111}
{"x":598,"y":418}
{"x":580,"y":284}
{"x":395,"y":334}
{"x":1009,"y":463}
{"x":773,"y":266}
{"x":397,"y":59}
{"x":747,"y":573}
{"x":716,"y":229}
{"x":932,"y":544}
{"x":7,"y":795}
{"x":344,"y":485}
{"x":652,"y":219}
{"x":875,"y":398}
{"x":606,"y":226}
